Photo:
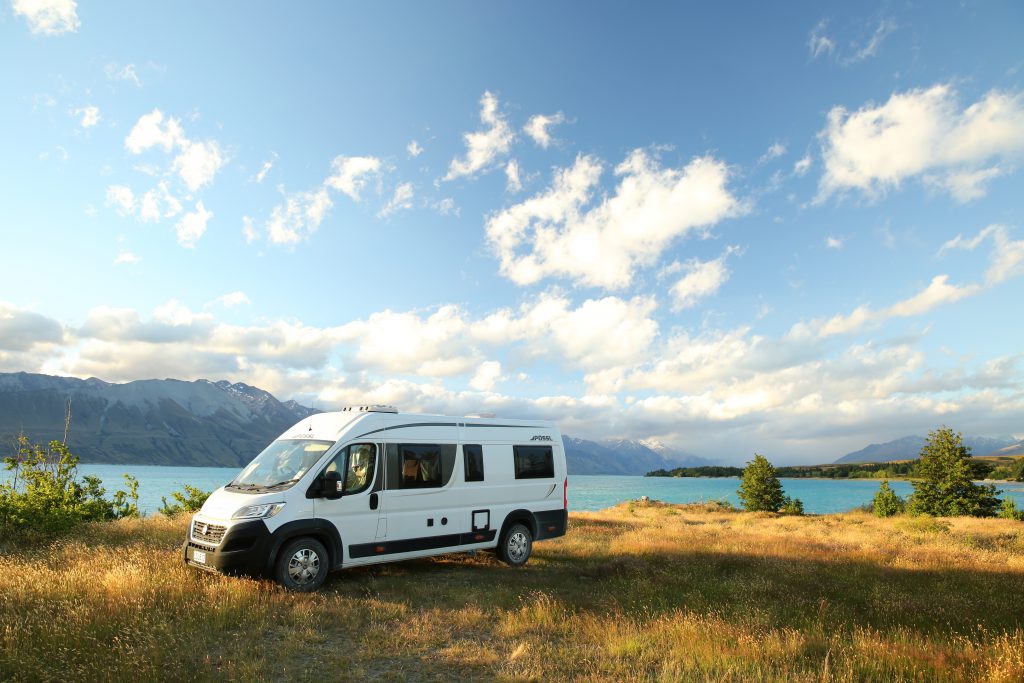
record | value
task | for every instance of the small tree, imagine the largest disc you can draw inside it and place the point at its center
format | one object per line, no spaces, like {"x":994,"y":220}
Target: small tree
{"x":760,"y":489}
{"x":792,"y":506}
{"x":886,"y":502}
{"x":44,"y":495}
{"x":1008,"y":510}
{"x":946,"y":488}
{"x":191,"y":500}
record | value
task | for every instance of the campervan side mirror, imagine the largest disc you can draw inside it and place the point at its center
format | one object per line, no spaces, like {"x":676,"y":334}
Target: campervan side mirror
{"x":332,"y":485}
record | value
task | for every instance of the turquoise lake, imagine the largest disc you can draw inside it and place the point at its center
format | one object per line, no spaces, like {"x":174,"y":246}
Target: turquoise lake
{"x":586,"y":492}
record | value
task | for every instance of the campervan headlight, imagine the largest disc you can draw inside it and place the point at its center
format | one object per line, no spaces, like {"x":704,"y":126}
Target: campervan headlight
{"x":264,"y":511}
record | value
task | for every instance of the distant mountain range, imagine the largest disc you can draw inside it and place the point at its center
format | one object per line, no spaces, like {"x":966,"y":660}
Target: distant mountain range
{"x":909,"y":447}
{"x":148,"y":422}
{"x":624,"y":457}
{"x":203,"y":423}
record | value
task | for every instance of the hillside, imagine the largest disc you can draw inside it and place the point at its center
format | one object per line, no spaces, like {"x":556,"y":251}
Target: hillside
{"x":149,"y":422}
{"x":909,"y":447}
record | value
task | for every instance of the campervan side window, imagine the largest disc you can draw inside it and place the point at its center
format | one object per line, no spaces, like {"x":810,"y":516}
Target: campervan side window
{"x":534,"y":462}
{"x":419,"y":465}
{"x":473,"y":460}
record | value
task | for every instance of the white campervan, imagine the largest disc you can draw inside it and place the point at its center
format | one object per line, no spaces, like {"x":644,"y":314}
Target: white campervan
{"x":368,"y":484}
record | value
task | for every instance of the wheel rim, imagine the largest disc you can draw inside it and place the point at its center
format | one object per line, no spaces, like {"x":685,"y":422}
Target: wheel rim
{"x":304,"y":566}
{"x":517,"y":546}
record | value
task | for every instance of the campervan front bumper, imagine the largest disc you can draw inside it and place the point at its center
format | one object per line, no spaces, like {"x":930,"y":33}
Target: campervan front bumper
{"x":241,"y":548}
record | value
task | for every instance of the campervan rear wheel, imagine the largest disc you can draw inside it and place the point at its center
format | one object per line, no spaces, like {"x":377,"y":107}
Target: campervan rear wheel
{"x":516,"y":545}
{"x":302,"y":565}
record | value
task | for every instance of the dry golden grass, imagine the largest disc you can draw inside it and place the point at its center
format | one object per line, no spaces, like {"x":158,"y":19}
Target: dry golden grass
{"x":637,"y":592}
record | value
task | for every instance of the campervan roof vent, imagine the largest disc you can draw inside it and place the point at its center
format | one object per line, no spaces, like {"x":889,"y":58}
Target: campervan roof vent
{"x":481,"y":415}
{"x":369,"y":409}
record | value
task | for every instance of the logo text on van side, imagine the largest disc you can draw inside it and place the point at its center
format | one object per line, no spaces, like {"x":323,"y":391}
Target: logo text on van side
{"x":542,"y":437}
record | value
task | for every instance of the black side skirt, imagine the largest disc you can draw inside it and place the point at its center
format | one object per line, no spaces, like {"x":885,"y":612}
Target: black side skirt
{"x":410,"y":545}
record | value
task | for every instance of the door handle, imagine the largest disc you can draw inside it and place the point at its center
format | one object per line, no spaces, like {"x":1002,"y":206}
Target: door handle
{"x":373,"y":501}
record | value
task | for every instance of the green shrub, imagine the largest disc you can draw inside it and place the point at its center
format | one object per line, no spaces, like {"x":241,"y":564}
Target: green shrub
{"x":190,"y":500}
{"x":792,"y":506}
{"x":886,"y":502}
{"x":946,"y":488}
{"x":1008,"y":510}
{"x":760,"y":490}
{"x":44,"y":495}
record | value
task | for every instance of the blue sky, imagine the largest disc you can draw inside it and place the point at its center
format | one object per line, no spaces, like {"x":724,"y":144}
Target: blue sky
{"x":787,"y":229}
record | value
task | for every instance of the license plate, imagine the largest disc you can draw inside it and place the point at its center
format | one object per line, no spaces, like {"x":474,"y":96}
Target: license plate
{"x":199,"y":556}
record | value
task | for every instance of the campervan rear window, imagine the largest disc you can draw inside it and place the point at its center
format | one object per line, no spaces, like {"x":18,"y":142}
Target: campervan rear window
{"x":534,"y":462}
{"x":473,"y":459}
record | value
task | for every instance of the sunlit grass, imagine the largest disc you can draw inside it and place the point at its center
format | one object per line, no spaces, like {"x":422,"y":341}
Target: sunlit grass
{"x":637,"y":592}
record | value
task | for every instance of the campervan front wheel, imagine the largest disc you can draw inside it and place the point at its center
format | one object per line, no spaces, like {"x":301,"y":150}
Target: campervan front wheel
{"x":516,"y":545}
{"x":302,"y":565}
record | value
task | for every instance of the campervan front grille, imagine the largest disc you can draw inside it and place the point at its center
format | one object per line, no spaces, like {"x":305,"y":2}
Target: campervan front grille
{"x":208,"y":533}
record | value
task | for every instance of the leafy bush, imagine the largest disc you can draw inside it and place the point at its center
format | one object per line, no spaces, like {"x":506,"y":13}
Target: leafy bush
{"x":946,"y":488}
{"x":44,"y":495}
{"x":760,"y":490}
{"x":191,"y":500}
{"x":792,"y":506}
{"x":1008,"y":510}
{"x":886,"y":502}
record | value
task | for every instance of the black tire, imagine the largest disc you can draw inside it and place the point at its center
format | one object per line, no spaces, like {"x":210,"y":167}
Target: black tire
{"x":302,"y":565}
{"x":516,"y":545}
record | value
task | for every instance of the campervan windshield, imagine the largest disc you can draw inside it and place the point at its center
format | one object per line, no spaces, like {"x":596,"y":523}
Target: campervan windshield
{"x":280,"y":465}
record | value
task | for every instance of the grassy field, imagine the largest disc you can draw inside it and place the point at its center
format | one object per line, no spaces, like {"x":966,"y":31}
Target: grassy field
{"x":636,"y":592}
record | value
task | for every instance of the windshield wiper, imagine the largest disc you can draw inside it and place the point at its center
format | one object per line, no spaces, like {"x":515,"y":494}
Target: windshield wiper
{"x":244,"y":487}
{"x":280,"y":483}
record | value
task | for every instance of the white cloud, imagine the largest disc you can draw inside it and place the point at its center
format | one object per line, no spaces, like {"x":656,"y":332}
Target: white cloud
{"x":486,"y":376}
{"x":22,"y":329}
{"x":48,"y":17}
{"x":248,"y":231}
{"x":400,"y":200}
{"x":152,"y":131}
{"x":604,"y":244}
{"x":964,"y":186}
{"x":921,"y":131}
{"x":159,"y":203}
{"x":803,"y":165}
{"x":299,"y":217}
{"x":938,"y":292}
{"x":414,"y":149}
{"x":446,"y":206}
{"x":512,"y":182}
{"x":484,"y":147}
{"x":352,"y":173}
{"x":192,"y":226}
{"x":122,"y":197}
{"x":198,"y":162}
{"x":833,"y":242}
{"x":885,"y":27}
{"x":90,"y":116}
{"x":537,"y":127}
{"x":123,"y":73}
{"x":598,"y":334}
{"x":126,"y":257}
{"x":1006,"y":260}
{"x":819,"y":43}
{"x":230,"y":300}
{"x":405,"y":343}
{"x":265,"y":169}
{"x":776,"y":150}
{"x":702,"y":279}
